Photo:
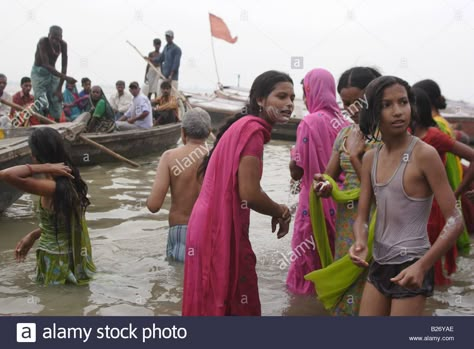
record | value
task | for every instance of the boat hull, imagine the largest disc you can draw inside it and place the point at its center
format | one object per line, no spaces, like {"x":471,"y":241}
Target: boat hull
{"x":130,"y":144}
{"x":12,"y":155}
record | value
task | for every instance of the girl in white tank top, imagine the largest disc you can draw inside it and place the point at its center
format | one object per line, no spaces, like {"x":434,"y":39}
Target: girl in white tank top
{"x":402,"y":175}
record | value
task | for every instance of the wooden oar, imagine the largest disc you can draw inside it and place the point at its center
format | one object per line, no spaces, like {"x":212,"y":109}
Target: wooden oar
{"x":81,"y":137}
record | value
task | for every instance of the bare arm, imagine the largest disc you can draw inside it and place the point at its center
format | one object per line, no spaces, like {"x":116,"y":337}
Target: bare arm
{"x":434,"y":172}
{"x":250,"y":191}
{"x":355,"y":144}
{"x":333,"y":169}
{"x":21,"y":177}
{"x":24,"y":245}
{"x":358,"y":251}
{"x":64,"y":60}
{"x":139,"y":117}
{"x":296,"y":172}
{"x":160,"y":185}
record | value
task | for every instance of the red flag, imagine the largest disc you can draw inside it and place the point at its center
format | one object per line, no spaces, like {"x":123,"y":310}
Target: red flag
{"x":219,"y":29}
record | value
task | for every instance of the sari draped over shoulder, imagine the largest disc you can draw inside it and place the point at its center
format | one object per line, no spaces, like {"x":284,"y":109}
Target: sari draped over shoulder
{"x":314,"y":141}
{"x":63,"y":258}
{"x":219,"y":273}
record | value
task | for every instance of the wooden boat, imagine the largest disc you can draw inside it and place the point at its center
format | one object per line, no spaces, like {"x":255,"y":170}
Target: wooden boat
{"x":130,"y":144}
{"x":14,"y":149}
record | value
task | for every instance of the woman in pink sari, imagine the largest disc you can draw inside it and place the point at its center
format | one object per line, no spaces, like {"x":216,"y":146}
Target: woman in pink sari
{"x":314,"y":140}
{"x":219,"y":272}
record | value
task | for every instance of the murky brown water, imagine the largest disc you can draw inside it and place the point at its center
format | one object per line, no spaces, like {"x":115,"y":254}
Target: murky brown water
{"x":129,"y":244}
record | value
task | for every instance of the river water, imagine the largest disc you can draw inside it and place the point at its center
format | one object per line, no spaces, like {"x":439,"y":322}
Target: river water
{"x":129,"y":245}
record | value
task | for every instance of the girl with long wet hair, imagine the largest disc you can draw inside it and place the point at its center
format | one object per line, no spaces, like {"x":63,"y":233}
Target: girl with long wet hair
{"x":64,"y":251}
{"x":402,"y":175}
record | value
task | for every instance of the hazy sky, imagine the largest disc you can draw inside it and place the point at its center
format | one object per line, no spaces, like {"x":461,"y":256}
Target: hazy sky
{"x":413,"y":39}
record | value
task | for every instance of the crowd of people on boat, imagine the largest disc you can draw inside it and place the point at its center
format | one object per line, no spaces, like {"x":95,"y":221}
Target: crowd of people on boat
{"x":122,"y":110}
{"x":384,"y":201}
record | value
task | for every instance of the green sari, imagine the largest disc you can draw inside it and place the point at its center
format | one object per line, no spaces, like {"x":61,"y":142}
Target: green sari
{"x":335,"y":278}
{"x":63,"y":258}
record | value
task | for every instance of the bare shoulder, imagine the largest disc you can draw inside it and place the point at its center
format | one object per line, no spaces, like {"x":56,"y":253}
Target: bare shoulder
{"x":423,"y":152}
{"x":43,"y":41}
{"x":369,"y":155}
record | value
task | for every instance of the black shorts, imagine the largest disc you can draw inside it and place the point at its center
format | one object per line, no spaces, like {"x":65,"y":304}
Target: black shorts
{"x":380,"y":275}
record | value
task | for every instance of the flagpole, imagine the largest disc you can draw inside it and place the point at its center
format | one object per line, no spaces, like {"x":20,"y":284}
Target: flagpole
{"x":215,"y":61}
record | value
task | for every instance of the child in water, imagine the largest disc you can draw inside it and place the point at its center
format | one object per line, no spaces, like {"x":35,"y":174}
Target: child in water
{"x":402,"y":174}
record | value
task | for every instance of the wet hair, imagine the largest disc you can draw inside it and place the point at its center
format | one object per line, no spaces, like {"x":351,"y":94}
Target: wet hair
{"x":24,"y":80}
{"x":423,"y":108}
{"x":84,"y":80}
{"x":434,"y":93}
{"x":156,"y":42}
{"x":70,"y":197}
{"x":358,"y":77}
{"x":165,"y":84}
{"x":55,"y":29}
{"x":262,"y":86}
{"x":197,"y":123}
{"x":369,"y":118}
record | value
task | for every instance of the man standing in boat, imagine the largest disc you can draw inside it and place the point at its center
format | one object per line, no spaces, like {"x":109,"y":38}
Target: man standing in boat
{"x":170,"y":60}
{"x":152,"y":78}
{"x":47,"y":81}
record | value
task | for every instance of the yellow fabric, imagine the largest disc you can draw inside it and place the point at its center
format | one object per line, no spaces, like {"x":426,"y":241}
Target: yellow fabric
{"x":332,"y":281}
{"x":454,"y":172}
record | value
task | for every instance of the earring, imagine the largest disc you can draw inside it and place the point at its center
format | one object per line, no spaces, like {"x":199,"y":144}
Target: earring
{"x":260,"y":109}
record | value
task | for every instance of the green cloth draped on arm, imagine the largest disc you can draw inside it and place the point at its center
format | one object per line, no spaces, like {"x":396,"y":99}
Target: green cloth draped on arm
{"x":333,"y":280}
{"x":454,"y":173}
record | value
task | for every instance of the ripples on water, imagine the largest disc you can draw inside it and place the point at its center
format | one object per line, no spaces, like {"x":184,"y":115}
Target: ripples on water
{"x":129,"y":246}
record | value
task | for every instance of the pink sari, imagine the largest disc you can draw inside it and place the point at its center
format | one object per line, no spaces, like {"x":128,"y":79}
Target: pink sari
{"x":219,"y":272}
{"x":314,"y":140}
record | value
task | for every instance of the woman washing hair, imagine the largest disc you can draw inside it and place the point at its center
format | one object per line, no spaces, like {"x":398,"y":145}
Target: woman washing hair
{"x":64,"y":252}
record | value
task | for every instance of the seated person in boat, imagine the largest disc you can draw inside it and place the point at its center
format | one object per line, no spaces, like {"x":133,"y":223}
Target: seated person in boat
{"x":121,"y":100}
{"x":165,"y":109}
{"x":4,"y":109}
{"x":72,"y":101}
{"x":178,"y":170}
{"x":139,"y":115}
{"x":24,"y":99}
{"x":86,"y":90}
{"x":102,"y":116}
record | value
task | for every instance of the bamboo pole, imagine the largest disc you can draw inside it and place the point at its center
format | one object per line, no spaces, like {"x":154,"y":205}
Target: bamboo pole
{"x":81,"y":137}
{"x":180,"y":95}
